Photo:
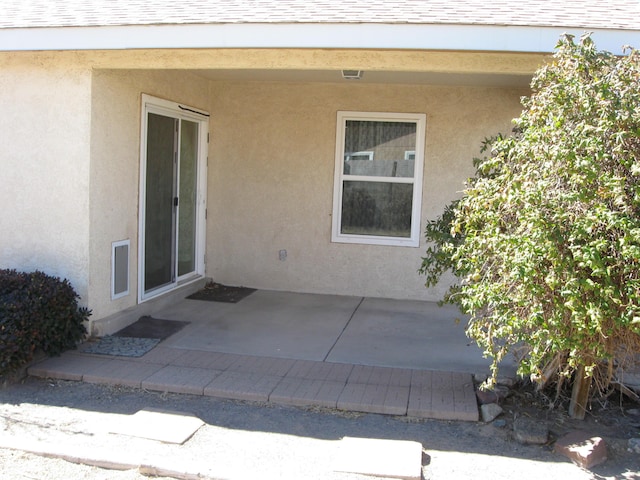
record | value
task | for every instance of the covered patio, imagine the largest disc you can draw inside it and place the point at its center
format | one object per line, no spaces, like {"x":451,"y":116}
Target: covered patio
{"x":364,"y":354}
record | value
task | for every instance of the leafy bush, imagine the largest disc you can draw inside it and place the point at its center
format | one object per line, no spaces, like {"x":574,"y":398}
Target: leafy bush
{"x":546,"y":238}
{"x":37,"y":311}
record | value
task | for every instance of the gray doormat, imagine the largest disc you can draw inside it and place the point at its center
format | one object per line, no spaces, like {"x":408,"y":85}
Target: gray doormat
{"x":135,"y":340}
{"x":149,"y":327}
{"x":216,"y":292}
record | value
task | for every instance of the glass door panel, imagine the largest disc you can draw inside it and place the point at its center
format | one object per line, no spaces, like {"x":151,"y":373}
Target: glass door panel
{"x":187,"y":197}
{"x":159,"y":238}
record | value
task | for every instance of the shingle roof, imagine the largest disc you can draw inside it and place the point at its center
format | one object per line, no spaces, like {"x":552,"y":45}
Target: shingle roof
{"x":597,"y":14}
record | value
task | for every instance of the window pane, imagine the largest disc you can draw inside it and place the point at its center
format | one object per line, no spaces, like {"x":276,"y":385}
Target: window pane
{"x":377,"y":208}
{"x":379,"y":149}
{"x":159,"y":218}
{"x":187,"y":205}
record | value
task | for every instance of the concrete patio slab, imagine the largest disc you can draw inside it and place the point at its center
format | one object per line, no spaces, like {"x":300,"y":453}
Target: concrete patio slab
{"x":371,"y":355}
{"x":409,"y":334}
{"x":160,"y":355}
{"x":202,"y":359}
{"x":191,"y":310}
{"x":274,"y":324}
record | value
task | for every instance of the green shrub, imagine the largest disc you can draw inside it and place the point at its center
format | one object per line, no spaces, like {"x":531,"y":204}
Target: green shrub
{"x":546,"y":238}
{"x":37,"y":312}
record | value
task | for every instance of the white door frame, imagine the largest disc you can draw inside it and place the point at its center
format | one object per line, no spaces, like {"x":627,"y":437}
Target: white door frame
{"x":181,"y":112}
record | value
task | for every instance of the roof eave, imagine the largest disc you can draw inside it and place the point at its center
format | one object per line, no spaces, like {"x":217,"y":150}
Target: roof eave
{"x":518,"y":39}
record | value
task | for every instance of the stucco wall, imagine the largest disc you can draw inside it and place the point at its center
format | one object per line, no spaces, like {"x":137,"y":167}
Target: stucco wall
{"x":70,"y":141}
{"x":69,"y":157}
{"x":44,"y":166}
{"x":271,"y":181}
{"x":115,"y":167}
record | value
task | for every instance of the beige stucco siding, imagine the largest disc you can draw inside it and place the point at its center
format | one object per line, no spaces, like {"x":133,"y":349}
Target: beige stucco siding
{"x":44,"y":149}
{"x":115,"y":167}
{"x":70,"y":143}
{"x":271,"y":181}
{"x":314,"y":60}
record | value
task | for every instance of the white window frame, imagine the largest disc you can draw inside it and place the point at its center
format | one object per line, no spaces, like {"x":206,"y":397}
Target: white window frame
{"x":420,"y":119}
{"x":363,"y":156}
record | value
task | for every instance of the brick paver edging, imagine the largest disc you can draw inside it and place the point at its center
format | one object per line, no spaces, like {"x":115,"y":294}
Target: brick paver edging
{"x":385,"y":390}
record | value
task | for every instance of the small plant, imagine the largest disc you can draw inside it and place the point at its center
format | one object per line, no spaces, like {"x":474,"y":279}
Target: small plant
{"x":37,"y":312}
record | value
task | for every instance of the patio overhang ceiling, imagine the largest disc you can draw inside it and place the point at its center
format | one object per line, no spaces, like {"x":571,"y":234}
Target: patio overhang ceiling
{"x":368,"y":77}
{"x":503,"y":69}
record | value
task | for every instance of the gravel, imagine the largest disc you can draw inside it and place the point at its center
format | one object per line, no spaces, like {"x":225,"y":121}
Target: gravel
{"x":450,"y":449}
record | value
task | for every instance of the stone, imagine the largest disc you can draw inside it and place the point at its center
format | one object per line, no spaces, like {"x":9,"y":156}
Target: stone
{"x":495,"y":395}
{"x":634,"y":445}
{"x":486,"y":397}
{"x":629,"y":375}
{"x":530,"y":431}
{"x":500,"y":423}
{"x":582,"y":449}
{"x":506,"y":381}
{"x":490,"y":411}
{"x":634,"y":412}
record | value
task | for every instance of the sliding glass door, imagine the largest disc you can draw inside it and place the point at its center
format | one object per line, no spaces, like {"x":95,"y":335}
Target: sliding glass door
{"x":172,"y":199}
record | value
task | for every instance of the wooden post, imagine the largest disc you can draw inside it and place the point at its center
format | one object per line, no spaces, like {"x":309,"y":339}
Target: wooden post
{"x":579,"y":394}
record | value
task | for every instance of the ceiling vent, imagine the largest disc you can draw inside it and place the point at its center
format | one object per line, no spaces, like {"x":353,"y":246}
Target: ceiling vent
{"x":352,"y":74}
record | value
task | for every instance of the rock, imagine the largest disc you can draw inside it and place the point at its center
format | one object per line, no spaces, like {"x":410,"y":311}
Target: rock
{"x":490,"y":411}
{"x":629,"y":375}
{"x":581,"y":448}
{"x":634,"y":445}
{"x":500,"y":423}
{"x":495,"y":395}
{"x":530,"y":431}
{"x":634,"y":411}
{"x":487,"y":397}
{"x":508,"y":382}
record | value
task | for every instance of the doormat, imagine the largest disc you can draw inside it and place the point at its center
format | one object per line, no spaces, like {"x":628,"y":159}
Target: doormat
{"x":149,"y":327}
{"x":135,"y":340}
{"x":215,"y":292}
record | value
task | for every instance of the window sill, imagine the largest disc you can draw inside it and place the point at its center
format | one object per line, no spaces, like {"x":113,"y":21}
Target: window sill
{"x":374,"y":240}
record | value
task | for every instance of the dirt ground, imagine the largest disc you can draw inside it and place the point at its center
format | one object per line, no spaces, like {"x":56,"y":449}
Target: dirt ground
{"x":450,"y":449}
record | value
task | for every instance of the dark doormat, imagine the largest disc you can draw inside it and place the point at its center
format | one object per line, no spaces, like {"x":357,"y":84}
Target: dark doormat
{"x":136,"y":339}
{"x":215,"y":292}
{"x":149,"y":327}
